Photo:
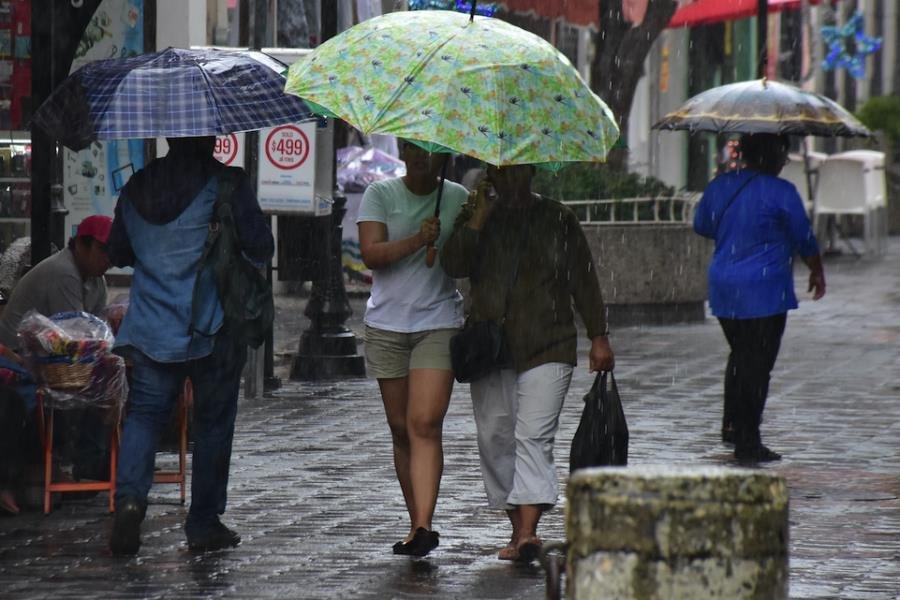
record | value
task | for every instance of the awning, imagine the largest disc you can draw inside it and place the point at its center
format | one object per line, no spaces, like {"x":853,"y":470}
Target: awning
{"x":584,"y":13}
{"x":704,"y":12}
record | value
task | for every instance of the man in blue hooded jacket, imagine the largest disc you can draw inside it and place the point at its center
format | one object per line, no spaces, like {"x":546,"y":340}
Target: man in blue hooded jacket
{"x":161,"y":224}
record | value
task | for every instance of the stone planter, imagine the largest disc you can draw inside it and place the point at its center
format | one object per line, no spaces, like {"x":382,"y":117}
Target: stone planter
{"x":651,"y":273}
{"x":657,"y":532}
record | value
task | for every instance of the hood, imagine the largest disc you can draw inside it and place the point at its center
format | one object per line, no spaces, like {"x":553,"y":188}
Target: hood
{"x":165,"y":187}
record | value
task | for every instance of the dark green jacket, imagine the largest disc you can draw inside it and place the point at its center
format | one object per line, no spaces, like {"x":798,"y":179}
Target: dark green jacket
{"x":556,"y":269}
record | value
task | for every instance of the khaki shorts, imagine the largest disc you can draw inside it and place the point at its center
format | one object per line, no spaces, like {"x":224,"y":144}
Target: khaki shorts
{"x":390,"y":354}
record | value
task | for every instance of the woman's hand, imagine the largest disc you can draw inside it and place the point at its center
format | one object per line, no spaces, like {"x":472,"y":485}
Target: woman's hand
{"x":601,"y":356}
{"x":817,"y":284}
{"x":429,"y":231}
{"x":481,"y":205}
{"x":816,"y":275}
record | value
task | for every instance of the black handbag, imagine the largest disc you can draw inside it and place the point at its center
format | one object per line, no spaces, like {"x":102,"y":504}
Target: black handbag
{"x":477,"y":349}
{"x":602,"y":435}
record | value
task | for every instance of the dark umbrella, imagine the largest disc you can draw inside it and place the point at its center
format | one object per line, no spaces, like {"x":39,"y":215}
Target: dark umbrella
{"x":763,"y":106}
{"x":171,"y":93}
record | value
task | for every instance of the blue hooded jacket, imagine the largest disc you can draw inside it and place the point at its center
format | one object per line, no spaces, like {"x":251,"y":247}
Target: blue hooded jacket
{"x":160,"y":227}
{"x":756,"y":235}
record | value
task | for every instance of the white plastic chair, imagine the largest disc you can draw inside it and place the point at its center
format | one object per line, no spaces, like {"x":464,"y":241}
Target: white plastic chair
{"x":875,"y":191}
{"x":795,"y":172}
{"x":841,"y":191}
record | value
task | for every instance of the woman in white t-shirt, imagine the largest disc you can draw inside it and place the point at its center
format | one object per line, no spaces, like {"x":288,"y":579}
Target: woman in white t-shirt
{"x":412,"y":312}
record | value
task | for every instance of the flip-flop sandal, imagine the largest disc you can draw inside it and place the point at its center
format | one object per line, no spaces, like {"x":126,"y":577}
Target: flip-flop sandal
{"x":529,"y":550}
{"x":508,"y":552}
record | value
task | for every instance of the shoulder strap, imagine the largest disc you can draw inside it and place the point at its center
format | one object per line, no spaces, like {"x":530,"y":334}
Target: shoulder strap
{"x":224,"y":190}
{"x":736,"y":194}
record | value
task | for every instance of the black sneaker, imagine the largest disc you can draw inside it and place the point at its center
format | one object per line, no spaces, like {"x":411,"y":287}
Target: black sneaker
{"x":126,"y":533}
{"x":755,"y":454}
{"x":215,"y":537}
{"x":728,"y":436}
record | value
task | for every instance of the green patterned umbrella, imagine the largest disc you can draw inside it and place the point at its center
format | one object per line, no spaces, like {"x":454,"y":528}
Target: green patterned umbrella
{"x":478,"y":86}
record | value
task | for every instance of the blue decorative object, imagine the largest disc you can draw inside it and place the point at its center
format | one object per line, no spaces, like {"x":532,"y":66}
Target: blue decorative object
{"x":838,"y":38}
{"x":485,"y":10}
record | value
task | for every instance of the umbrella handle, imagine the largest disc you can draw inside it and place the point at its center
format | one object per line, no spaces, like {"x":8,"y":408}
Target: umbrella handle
{"x":431,"y":254}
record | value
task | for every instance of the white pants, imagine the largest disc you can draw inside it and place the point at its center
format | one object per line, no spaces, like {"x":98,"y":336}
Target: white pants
{"x":517,"y":416}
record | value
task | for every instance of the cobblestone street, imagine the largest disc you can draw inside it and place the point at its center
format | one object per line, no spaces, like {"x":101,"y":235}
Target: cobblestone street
{"x":314,"y":495}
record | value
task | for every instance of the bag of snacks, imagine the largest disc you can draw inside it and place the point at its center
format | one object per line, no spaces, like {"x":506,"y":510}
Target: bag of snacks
{"x":70,"y":354}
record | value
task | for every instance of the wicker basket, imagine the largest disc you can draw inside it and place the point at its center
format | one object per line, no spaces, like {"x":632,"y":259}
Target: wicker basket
{"x":66,"y":375}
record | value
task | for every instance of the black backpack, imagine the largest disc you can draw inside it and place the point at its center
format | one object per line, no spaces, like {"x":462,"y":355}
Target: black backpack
{"x":245,"y":294}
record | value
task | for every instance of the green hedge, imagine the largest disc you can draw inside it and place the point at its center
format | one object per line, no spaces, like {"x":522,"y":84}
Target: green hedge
{"x":883,"y":113}
{"x":597,"y":181}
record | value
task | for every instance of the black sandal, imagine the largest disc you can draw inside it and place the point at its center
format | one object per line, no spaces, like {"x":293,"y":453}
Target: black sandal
{"x":529,"y":550}
{"x":420,"y":545}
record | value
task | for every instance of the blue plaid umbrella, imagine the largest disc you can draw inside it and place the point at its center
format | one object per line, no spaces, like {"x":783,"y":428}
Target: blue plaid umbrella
{"x":172,"y":93}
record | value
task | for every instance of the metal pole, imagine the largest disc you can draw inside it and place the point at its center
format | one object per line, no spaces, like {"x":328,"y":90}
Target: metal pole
{"x":254,"y":371}
{"x":42,"y":147}
{"x":762,"y":35}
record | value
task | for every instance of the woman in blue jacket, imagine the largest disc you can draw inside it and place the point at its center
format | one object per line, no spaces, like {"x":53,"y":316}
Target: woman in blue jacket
{"x":758,"y":223}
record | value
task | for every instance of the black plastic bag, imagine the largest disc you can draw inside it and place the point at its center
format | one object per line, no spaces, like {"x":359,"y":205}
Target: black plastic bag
{"x":602,"y":435}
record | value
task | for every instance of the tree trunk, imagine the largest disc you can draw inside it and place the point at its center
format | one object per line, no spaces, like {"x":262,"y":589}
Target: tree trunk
{"x":619,"y":61}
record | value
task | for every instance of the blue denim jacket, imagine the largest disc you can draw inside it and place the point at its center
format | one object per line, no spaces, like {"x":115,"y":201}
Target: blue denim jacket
{"x":167,"y":256}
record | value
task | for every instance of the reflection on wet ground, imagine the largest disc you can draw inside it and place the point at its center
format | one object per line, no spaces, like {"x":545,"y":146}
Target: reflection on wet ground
{"x":314,"y":496}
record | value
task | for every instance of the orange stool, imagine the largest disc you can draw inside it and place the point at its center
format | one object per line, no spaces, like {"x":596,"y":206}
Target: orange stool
{"x":185,"y":400}
{"x":45,"y":425}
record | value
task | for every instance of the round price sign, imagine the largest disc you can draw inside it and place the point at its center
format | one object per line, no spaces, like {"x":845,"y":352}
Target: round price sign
{"x":226,"y":148}
{"x":287,"y":147}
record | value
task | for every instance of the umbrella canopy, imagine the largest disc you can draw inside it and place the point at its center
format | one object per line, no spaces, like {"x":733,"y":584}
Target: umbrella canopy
{"x":478,"y":86}
{"x":172,"y":93}
{"x":762,"y":106}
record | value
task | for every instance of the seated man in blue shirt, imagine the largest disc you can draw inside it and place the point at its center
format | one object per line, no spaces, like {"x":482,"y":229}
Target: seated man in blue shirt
{"x":758,"y":223}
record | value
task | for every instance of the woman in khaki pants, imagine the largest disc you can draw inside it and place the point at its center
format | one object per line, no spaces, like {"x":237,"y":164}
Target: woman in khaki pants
{"x":412,"y":311}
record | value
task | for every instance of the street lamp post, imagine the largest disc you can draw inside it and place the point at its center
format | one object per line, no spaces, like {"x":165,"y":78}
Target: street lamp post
{"x":327,"y":348}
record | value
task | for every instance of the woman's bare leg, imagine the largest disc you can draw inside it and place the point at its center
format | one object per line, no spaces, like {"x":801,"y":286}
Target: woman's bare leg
{"x":394,"y":395}
{"x":429,"y":397}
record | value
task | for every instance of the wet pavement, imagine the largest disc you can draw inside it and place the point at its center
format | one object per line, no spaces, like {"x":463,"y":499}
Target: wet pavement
{"x":314,"y":495}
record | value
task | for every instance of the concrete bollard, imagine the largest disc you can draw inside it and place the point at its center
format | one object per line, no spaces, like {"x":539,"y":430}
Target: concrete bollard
{"x":664,"y":532}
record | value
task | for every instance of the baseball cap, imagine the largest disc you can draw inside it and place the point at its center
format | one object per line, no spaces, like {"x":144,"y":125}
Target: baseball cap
{"x":96,"y":226}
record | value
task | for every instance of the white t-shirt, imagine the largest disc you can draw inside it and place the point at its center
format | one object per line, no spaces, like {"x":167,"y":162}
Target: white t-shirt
{"x":407,"y":296}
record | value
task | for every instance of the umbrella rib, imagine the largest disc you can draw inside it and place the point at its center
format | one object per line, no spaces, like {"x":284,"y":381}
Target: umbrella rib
{"x":212,"y":96}
{"x":418,"y":68}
